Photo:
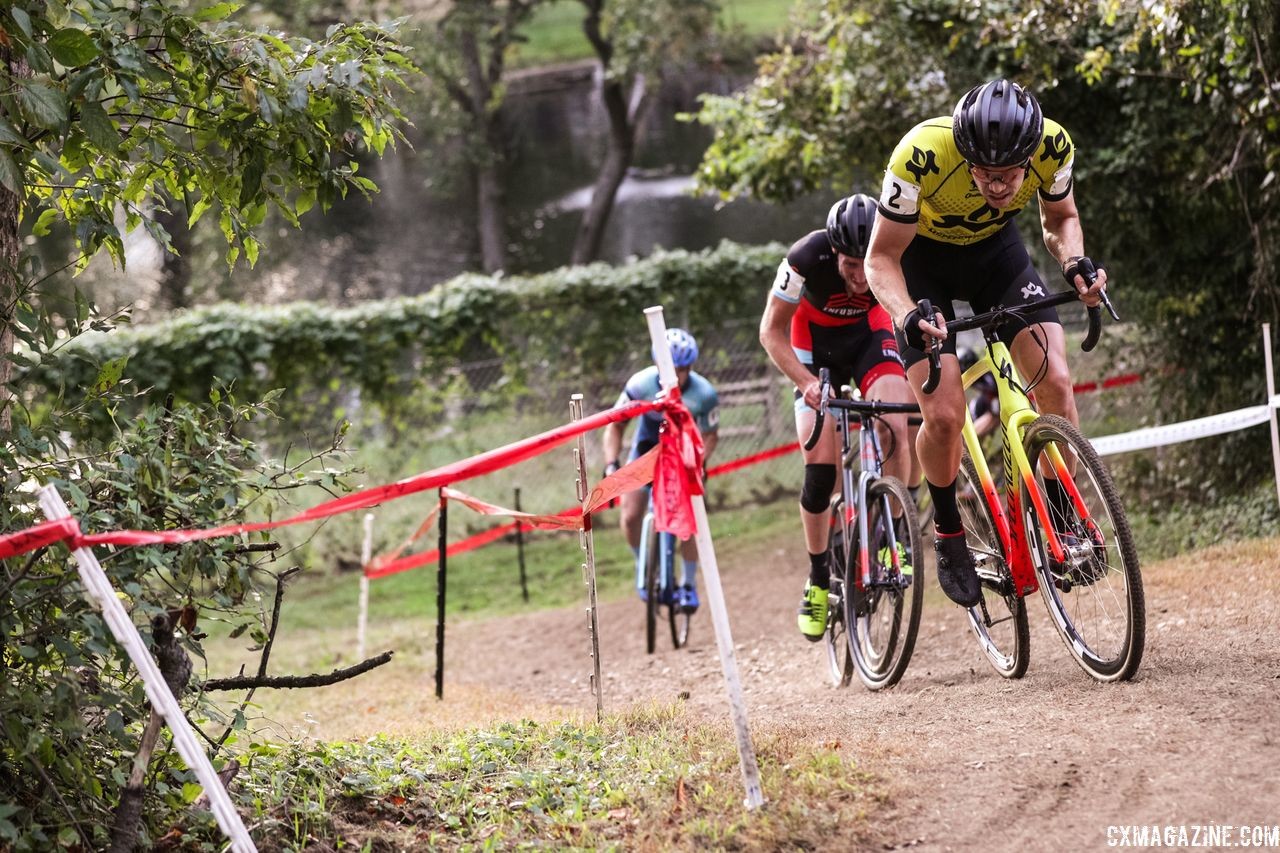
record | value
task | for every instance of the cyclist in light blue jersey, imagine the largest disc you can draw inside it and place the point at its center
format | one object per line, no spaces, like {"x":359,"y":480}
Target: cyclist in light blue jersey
{"x":700,"y":397}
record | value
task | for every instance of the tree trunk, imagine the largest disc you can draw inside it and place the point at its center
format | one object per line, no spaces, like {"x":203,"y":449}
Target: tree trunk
{"x":175,"y":266}
{"x":624,"y":123}
{"x":489,"y":197}
{"x":10,"y":249}
{"x":490,"y":217}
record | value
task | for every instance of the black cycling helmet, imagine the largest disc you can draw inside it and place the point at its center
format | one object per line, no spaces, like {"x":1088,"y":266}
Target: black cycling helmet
{"x":997,"y":124}
{"x":849,"y":225}
{"x":968,"y":358}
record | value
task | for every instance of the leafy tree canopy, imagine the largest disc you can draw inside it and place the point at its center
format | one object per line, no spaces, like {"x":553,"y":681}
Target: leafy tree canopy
{"x":107,"y":107}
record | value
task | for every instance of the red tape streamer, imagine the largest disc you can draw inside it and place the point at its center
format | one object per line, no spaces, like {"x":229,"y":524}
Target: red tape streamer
{"x":474,"y":466}
{"x":678,"y":474}
{"x":38,"y":536}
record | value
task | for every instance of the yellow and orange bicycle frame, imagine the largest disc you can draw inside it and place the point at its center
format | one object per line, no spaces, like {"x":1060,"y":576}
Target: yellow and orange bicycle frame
{"x":1016,"y":413}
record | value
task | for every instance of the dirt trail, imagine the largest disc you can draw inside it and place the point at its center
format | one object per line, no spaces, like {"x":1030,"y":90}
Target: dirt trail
{"x":969,"y":760}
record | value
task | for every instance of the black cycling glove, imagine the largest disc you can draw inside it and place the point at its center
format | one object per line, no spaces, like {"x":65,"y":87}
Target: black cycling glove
{"x":610,"y":467}
{"x":1080,"y":266}
{"x":911,"y":329}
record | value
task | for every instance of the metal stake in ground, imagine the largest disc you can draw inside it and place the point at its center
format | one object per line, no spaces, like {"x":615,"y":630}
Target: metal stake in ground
{"x":524,"y":583}
{"x":442,"y":577}
{"x":588,"y":547}
{"x":366,"y":554}
{"x":715,"y":593}
{"x":1272,"y":403}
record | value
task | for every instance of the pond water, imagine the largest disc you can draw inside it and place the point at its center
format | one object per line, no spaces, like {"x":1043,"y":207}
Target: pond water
{"x":416,"y":233}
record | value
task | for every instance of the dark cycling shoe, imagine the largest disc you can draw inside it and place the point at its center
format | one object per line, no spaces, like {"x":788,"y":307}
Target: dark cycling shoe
{"x":688,"y":599}
{"x":956,"y":574}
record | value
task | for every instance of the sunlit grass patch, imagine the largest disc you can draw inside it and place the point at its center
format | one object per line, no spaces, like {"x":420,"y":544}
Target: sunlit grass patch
{"x":650,"y":778}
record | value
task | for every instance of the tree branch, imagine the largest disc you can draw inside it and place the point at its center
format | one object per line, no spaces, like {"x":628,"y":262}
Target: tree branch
{"x":287,"y":682}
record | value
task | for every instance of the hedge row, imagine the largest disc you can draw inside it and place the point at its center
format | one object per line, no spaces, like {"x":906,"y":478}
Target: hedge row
{"x":569,"y":320}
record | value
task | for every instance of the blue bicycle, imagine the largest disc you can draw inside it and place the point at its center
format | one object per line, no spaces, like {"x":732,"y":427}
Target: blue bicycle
{"x":656,"y":583}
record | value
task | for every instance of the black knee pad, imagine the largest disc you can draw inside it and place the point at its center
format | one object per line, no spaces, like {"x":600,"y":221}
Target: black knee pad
{"x":819,"y":481}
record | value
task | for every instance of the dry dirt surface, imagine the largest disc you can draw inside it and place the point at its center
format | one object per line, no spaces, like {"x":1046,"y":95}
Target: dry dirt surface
{"x":968,"y":759}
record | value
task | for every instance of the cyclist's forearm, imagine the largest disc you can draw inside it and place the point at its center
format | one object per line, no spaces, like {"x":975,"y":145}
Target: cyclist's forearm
{"x":709,"y":442}
{"x":775,"y":328}
{"x":1063,"y":234}
{"x":887,"y":282}
{"x":612,"y":442}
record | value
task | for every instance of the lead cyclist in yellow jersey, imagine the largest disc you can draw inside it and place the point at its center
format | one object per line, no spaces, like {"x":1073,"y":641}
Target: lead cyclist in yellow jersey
{"x":944,"y":232}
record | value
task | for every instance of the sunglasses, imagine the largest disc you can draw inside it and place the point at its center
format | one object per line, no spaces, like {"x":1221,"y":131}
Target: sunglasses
{"x":997,"y":176}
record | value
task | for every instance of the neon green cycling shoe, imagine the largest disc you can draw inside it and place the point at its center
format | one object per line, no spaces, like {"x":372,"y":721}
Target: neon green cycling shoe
{"x":813,"y":612}
{"x":885,"y":560}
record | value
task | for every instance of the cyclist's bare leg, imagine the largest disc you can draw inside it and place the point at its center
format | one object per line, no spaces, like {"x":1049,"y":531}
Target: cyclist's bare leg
{"x":826,"y":451}
{"x":634,"y":504}
{"x":1053,"y":392}
{"x":892,"y":429}
{"x":938,"y":441}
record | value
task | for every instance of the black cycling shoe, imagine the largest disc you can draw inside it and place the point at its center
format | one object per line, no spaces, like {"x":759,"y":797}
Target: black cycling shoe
{"x":956,"y":574}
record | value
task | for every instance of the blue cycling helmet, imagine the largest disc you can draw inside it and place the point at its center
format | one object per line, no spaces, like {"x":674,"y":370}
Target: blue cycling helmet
{"x":684,"y":349}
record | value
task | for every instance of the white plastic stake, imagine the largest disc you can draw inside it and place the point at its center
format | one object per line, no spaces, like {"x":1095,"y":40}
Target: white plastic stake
{"x":366,"y":554}
{"x":715,"y":592}
{"x":1271,"y":403}
{"x":103,"y":595}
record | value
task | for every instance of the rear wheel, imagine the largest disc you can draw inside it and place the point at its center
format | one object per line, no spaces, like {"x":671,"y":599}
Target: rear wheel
{"x":652,"y":592}
{"x":839,"y":656}
{"x":883,"y":618}
{"x":676,"y":614}
{"x":1001,"y":627}
{"x":1094,"y":594}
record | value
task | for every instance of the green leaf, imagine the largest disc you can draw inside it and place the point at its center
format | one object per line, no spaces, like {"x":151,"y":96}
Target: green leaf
{"x":219,"y":12}
{"x":99,"y":127}
{"x":44,"y":105}
{"x":191,"y":790}
{"x":22,"y":20}
{"x":42,"y":223}
{"x":109,"y":374}
{"x":72,"y":47}
{"x":67,"y":836}
{"x":10,"y":174}
{"x":10,"y":136}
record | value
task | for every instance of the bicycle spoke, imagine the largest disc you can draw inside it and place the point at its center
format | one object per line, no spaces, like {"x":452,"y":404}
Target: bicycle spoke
{"x":1094,"y":594}
{"x":1000,"y":622}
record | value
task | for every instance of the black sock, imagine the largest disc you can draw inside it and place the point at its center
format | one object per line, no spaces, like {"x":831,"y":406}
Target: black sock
{"x":946,"y":515}
{"x":1061,"y":509}
{"x":819,"y":570}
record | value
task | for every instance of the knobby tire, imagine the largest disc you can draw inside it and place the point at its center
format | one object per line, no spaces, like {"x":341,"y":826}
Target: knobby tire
{"x":881,"y":641}
{"x":1096,"y":601}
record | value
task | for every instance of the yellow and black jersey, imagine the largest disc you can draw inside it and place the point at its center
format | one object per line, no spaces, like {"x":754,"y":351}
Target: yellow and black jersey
{"x":928,"y":183}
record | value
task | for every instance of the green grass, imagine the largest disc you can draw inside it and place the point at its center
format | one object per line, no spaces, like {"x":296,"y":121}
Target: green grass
{"x":485,"y":582}
{"x":650,"y":778}
{"x":555,"y":31}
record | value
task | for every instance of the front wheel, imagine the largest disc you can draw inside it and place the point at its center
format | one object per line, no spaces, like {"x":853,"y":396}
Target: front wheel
{"x":839,"y":656}
{"x":883,"y":617}
{"x":677,"y":616}
{"x":1000,"y":623}
{"x":1094,"y":593}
